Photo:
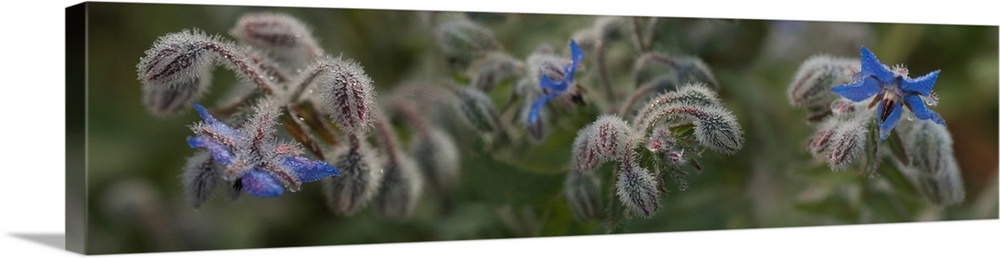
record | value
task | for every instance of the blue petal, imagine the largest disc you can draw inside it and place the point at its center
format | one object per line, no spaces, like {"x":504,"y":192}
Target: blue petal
{"x":555,"y":87}
{"x":859,"y":90}
{"x":886,"y":127}
{"x":870,"y":66}
{"x":214,"y":123}
{"x":219,"y":152}
{"x":536,"y":108}
{"x":310,"y":170}
{"x":921,"y":111}
{"x":577,"y":55}
{"x":209,"y":119}
{"x":921,"y":85}
{"x":261,"y":184}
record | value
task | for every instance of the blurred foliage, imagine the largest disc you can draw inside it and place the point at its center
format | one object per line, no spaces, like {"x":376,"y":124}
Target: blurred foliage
{"x":135,"y":202}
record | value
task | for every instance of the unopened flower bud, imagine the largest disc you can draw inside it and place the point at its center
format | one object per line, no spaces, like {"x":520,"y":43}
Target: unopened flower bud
{"x":463,"y":40}
{"x":285,"y":38}
{"x":477,"y":109}
{"x":401,"y":187}
{"x":169,"y":100}
{"x":583,"y":192}
{"x":714,"y":126}
{"x":608,"y":137}
{"x":438,"y":157}
{"x":359,"y":180}
{"x":349,"y":95}
{"x":493,"y":69}
{"x":177,"y":59}
{"x":199,"y":178}
{"x":814,"y":79}
{"x":847,"y":143}
{"x":930,"y":147}
{"x":637,"y":190}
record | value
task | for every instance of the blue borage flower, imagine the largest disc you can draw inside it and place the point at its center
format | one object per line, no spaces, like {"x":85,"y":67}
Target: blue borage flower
{"x":892,"y":89}
{"x":551,"y":89}
{"x":262,"y":165}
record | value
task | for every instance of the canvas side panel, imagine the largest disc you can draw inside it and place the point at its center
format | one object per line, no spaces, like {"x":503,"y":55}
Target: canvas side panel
{"x":76,"y":106}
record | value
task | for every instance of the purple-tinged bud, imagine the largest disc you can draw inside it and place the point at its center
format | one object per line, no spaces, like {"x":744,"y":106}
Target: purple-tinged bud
{"x":636,"y":188}
{"x":819,"y":143}
{"x":349,"y":95}
{"x":814,"y":79}
{"x":585,"y":157}
{"x":285,"y":38}
{"x":361,"y":175}
{"x":608,"y":137}
{"x":172,"y":99}
{"x":661,"y":140}
{"x":583,"y":192}
{"x":847,"y":143}
{"x":695,"y":94}
{"x":477,"y":109}
{"x":463,"y":40}
{"x":438,"y":157}
{"x":714,"y":126}
{"x":177,"y":59}
{"x":842,"y":106}
{"x":401,"y":187}
{"x":930,"y":147}
{"x":181,"y":58}
{"x":199,"y":178}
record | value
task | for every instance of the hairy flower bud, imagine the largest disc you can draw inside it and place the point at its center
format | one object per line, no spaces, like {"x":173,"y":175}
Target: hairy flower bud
{"x":493,"y":69}
{"x":285,"y":38}
{"x":637,"y":190}
{"x":847,"y":142}
{"x":438,"y":157}
{"x":183,"y":57}
{"x":349,"y":95}
{"x":812,"y":84}
{"x":463,"y":40}
{"x":170,"y":100}
{"x":477,"y":109}
{"x":695,"y":94}
{"x":714,"y":126}
{"x":177,"y":59}
{"x":583,"y":192}
{"x":819,"y":143}
{"x":930,"y":147}
{"x":608,"y":137}
{"x":199,"y":178}
{"x":401,"y":187}
{"x":584,"y":157}
{"x":359,"y":180}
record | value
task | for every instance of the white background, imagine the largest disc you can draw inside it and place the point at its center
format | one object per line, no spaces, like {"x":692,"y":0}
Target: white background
{"x":32,"y":95}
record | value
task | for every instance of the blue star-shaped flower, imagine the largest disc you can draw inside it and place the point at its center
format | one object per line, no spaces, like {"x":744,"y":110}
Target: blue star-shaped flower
{"x":892,"y":89}
{"x":252,"y":155}
{"x":551,"y":89}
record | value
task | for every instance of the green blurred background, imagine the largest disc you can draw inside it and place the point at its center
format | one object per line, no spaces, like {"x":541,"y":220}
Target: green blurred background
{"x":136,"y":204}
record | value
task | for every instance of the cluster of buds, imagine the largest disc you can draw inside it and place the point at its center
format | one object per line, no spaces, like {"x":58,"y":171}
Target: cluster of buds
{"x":672,"y":129}
{"x":857,"y":105}
{"x":326,"y":104}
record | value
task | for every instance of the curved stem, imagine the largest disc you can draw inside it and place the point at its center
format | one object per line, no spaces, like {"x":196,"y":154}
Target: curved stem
{"x":386,"y":137}
{"x":603,"y":70}
{"x":243,"y":65}
{"x":641,"y":92}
